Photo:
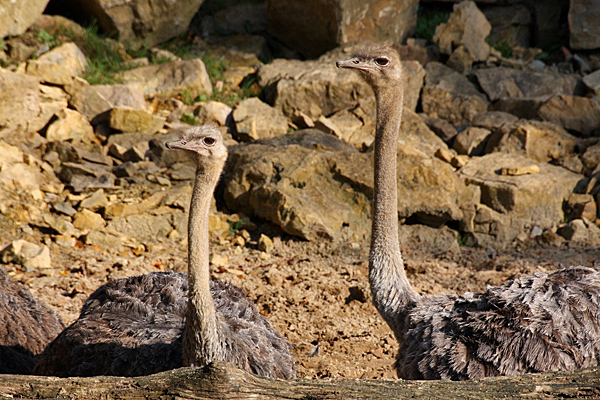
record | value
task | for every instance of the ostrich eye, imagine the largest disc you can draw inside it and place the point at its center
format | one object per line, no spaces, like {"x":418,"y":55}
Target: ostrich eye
{"x":382,"y":61}
{"x":209,"y":141}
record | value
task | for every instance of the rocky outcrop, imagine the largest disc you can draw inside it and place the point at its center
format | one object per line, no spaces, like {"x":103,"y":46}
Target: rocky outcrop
{"x":317,"y":26}
{"x":584,"y":31}
{"x":17,"y":16}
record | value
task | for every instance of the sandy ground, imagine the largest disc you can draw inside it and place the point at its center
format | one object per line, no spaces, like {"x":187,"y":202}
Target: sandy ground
{"x":316,"y":294}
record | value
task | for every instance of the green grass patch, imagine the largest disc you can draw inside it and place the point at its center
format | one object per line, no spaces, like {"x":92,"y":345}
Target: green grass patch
{"x":427,"y":20}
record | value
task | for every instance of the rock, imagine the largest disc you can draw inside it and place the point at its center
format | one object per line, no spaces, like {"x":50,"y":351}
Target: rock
{"x":104,"y":239}
{"x":347,"y":126}
{"x":66,"y":152}
{"x":70,"y":124}
{"x":27,"y":254}
{"x":502,"y":82}
{"x":171,"y":79}
{"x":519,"y":107}
{"x":523,"y":201}
{"x":584,"y":31}
{"x":95,"y":202}
{"x":541,"y":141}
{"x":265,"y":243}
{"x":414,"y":133}
{"x":511,"y":25}
{"x":125,"y":209}
{"x":16,"y":17}
{"x":463,"y":36}
{"x":494,"y":120}
{"x":415,"y":78}
{"x":241,"y":18}
{"x":440,"y":127}
{"x":142,"y":23}
{"x":143,"y":227}
{"x":573,"y":113}
{"x":87,"y":100}
{"x":131,"y":95}
{"x":471,"y":141}
{"x":30,"y":104}
{"x":441,"y":240}
{"x":60,"y":65}
{"x":64,"y":208}
{"x":316,"y":27}
{"x":212,"y":112}
{"x":86,"y":219}
{"x":136,"y":153}
{"x":581,"y":206}
{"x":315,"y":186}
{"x":518,"y":171}
{"x":61,"y":225}
{"x":592,"y":82}
{"x":255,"y":120}
{"x":451,"y":96}
{"x":9,"y":154}
{"x":127,"y":119}
{"x":581,"y":231}
{"x":591,"y":157}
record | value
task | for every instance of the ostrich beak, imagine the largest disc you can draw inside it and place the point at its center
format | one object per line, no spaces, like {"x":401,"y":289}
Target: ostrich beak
{"x":176,"y":144}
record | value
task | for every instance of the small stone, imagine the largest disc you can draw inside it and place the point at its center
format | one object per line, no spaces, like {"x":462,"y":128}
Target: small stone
{"x":174,"y":234}
{"x":64,"y":208}
{"x":239,"y":241}
{"x":219,"y":261}
{"x":117,"y":151}
{"x":265,"y":243}
{"x":518,"y":171}
{"x":86,"y":219}
{"x":60,"y":225}
{"x":264,"y":256}
{"x":104,"y":239}
{"x":96,"y":201}
{"x":26,"y":254}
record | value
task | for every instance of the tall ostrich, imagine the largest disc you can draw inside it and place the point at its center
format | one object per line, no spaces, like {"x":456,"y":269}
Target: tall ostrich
{"x":159,"y":321}
{"x":26,"y":327}
{"x":540,"y":322}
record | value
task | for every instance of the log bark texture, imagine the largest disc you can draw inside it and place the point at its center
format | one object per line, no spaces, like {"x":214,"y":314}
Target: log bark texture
{"x":225,"y":381}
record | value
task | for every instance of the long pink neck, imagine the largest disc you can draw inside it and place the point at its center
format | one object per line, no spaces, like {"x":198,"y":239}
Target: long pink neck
{"x":393,"y":294}
{"x":201,"y":341}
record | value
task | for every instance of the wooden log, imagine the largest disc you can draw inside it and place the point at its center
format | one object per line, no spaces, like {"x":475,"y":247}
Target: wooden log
{"x":225,"y":381}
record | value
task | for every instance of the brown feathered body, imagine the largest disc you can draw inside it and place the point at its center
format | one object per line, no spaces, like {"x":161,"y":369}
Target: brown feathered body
{"x":160,"y":321}
{"x":26,"y":327}
{"x":542,"y":322}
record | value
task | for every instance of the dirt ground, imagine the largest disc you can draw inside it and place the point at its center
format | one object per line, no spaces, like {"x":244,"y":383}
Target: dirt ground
{"x":316,"y":294}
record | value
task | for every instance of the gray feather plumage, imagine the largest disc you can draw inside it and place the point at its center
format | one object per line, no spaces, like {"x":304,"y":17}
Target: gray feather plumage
{"x":134,"y":326}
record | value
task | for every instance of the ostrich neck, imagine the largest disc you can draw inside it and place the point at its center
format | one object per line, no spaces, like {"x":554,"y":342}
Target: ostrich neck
{"x":201,"y":342}
{"x":392,"y":292}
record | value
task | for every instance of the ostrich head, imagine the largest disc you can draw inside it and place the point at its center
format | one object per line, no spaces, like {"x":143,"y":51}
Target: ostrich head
{"x":378,"y":64}
{"x":205,"y":143}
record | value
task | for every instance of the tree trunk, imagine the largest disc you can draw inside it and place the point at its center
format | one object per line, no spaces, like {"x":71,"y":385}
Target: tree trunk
{"x":225,"y":381}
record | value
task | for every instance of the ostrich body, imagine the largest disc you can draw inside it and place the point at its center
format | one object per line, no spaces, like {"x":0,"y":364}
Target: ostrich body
{"x":26,"y":327}
{"x":164,"y":320}
{"x":540,"y":322}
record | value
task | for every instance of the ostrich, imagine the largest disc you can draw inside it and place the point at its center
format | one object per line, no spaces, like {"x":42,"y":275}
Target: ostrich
{"x":160,"y":321}
{"x":540,"y":322}
{"x":26,"y":327}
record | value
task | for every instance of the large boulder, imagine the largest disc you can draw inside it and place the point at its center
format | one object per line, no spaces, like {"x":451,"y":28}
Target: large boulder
{"x":315,"y":186}
{"x":255,"y":119}
{"x":516,"y":194}
{"x":584,"y":30}
{"x":17,"y":16}
{"x":141,"y":22}
{"x":451,"y":96}
{"x":463,"y":36}
{"x":316,"y":26}
{"x":574,"y":113}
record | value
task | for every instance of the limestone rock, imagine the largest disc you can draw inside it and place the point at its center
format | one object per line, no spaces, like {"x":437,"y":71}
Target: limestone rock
{"x":573,"y":113}
{"x":60,"y":65}
{"x":30,"y":104}
{"x":451,"y":96}
{"x":591,"y":157}
{"x":502,"y":82}
{"x":581,"y":231}
{"x":171,"y":79}
{"x":315,"y":186}
{"x":26,"y":254}
{"x":94,"y":202}
{"x":314,"y":27}
{"x":520,"y":202}
{"x":541,"y":141}
{"x":87,"y":100}
{"x":131,"y":95}
{"x":104,"y":239}
{"x":463,"y":36}
{"x":70,"y":124}
{"x":494,"y":120}
{"x":142,"y":23}
{"x":127,"y":119}
{"x":471,"y":141}
{"x":592,"y":82}
{"x":581,"y":206}
{"x":86,"y":219}
{"x":511,"y":25}
{"x":143,"y":227}
{"x":212,"y":112}
{"x":255,"y":120}
{"x":17,"y":16}
{"x":584,"y":31}
{"x":440,"y":127}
